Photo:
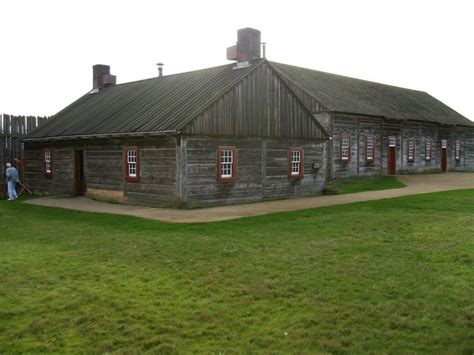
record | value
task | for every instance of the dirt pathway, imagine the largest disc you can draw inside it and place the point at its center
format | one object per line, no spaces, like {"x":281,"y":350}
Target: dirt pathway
{"x":416,"y":184}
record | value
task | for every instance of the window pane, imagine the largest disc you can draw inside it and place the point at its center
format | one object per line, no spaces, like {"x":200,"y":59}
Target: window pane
{"x":47,"y":161}
{"x":295,"y":162}
{"x":392,"y":141}
{"x":411,"y":150}
{"x":428,"y":150}
{"x":132,"y":162}
{"x":370,"y":148}
{"x":226,"y":163}
{"x":345,"y":148}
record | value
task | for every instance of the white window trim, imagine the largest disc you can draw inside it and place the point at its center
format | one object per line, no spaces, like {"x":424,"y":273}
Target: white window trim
{"x":370,"y":149}
{"x":226,"y":162}
{"x":411,"y":150}
{"x":345,"y":148}
{"x":47,"y":161}
{"x":457,"y":150}
{"x":392,"y":141}
{"x":295,"y":162}
{"x":132,"y":163}
{"x":428,"y":149}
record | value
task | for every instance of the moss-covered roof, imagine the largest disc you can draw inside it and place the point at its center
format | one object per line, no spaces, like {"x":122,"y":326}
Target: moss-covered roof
{"x":169,"y":103}
{"x":344,"y":94}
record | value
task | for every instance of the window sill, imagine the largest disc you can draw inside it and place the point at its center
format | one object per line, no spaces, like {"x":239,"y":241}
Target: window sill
{"x":230,"y":180}
{"x":132,"y":179}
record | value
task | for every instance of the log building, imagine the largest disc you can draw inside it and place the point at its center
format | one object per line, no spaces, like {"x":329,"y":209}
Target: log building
{"x":247,"y":131}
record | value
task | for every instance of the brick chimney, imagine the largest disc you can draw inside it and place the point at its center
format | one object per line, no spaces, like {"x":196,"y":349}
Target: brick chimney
{"x":247,"y":47}
{"x":101,"y":77}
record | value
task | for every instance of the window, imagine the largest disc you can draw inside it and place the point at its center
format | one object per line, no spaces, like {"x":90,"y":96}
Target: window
{"x":227,"y":168}
{"x":444,"y":143}
{"x":345,"y":149}
{"x":392,"y":141}
{"x":457,"y":152}
{"x":370,"y":149}
{"x":295,"y":157}
{"x":132,"y":164}
{"x":47,"y":163}
{"x":411,"y":150}
{"x":428,"y":149}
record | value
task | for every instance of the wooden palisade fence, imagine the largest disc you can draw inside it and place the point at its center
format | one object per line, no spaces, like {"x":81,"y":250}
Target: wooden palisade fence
{"x":12,"y":130}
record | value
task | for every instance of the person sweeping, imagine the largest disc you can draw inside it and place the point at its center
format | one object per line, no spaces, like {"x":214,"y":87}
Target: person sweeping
{"x":12,"y":179}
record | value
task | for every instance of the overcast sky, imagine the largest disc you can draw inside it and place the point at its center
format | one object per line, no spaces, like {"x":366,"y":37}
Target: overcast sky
{"x":48,"y":47}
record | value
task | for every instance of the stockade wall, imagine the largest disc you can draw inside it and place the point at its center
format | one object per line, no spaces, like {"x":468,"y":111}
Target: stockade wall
{"x":12,"y":129}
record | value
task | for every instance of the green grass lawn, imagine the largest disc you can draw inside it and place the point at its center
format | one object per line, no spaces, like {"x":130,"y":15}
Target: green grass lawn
{"x":386,"y":276}
{"x":366,"y":184}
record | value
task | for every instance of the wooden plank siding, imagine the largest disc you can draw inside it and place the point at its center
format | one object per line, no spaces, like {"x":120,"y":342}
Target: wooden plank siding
{"x":262,"y":170}
{"x":260,"y":105}
{"x":158,"y":172}
{"x":319,"y":111}
{"x":278,"y":184}
{"x":61,"y":179}
{"x":466,"y":138}
{"x":103,"y":165}
{"x":343,"y":125}
{"x":358,"y":127}
{"x":104,"y":169}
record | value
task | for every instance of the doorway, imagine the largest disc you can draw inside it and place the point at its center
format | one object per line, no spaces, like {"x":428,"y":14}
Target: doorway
{"x":79,"y":173}
{"x":392,"y":156}
{"x":444,"y":155}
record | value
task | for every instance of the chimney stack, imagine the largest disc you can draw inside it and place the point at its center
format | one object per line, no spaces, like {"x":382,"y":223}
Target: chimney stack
{"x":160,"y":69}
{"x":247,"y":47}
{"x":101,"y":77}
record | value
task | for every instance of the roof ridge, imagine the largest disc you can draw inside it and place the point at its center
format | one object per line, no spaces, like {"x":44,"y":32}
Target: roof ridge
{"x":171,"y":75}
{"x":349,"y":77}
{"x":286,"y":77}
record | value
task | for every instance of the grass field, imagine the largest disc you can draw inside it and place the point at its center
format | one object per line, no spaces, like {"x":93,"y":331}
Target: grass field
{"x":387,"y":276}
{"x":366,"y":184}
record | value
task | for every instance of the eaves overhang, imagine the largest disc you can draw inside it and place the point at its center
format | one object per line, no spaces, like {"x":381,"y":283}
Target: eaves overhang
{"x":103,"y":136}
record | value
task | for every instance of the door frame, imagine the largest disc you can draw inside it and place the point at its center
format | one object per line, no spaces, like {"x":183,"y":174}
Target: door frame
{"x":444,"y":155}
{"x":392,"y":156}
{"x":79,"y":181}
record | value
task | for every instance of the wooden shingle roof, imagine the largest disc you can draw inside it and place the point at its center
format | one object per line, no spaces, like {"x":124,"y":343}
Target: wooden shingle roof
{"x":162,"y":104}
{"x":168,"y":104}
{"x":344,"y":94}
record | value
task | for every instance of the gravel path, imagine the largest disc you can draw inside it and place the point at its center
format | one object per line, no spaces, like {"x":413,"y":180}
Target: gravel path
{"x":416,"y":184}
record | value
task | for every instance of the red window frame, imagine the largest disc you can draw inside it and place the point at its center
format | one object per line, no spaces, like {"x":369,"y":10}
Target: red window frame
{"x":220,"y":164}
{"x":348,"y":158}
{"x":457,"y":150}
{"x":127,"y":164}
{"x":48,"y":172}
{"x":428,"y":149}
{"x":368,"y":158}
{"x":411,"y":157}
{"x":300,"y":173}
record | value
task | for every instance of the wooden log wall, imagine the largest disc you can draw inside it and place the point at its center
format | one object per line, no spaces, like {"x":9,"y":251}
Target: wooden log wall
{"x":104,"y":169}
{"x":358,"y":127}
{"x":262,"y":170}
{"x":12,"y":129}
{"x":62,"y":177}
{"x":158,"y":172}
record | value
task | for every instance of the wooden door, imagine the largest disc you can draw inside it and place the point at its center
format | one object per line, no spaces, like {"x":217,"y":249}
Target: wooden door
{"x":79,"y":172}
{"x":444,"y":160}
{"x":392,"y":161}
